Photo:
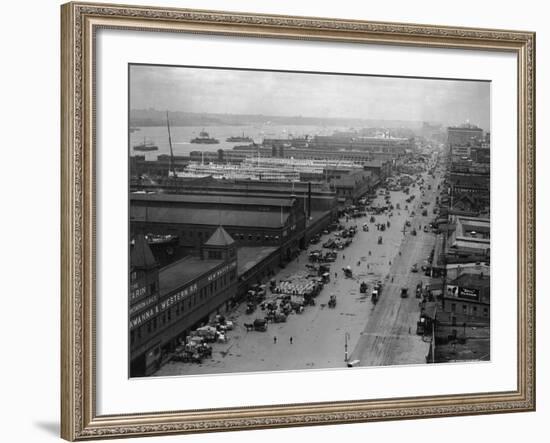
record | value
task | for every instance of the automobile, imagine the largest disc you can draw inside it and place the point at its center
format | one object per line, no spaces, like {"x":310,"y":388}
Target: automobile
{"x":414,"y":268}
{"x":260,"y":324}
{"x":426,"y":229}
{"x":315,"y":239}
{"x":329,"y":244}
{"x":365,"y":227}
{"x":404,"y":292}
{"x":424,"y":212}
{"x":408,"y":223}
{"x":413,"y":232}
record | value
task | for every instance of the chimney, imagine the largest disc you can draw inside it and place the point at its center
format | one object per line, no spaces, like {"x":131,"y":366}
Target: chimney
{"x":309,"y":200}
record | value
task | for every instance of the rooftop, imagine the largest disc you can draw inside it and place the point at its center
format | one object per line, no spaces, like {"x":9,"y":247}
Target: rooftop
{"x":250,"y":256}
{"x":472,"y":281}
{"x":220,"y":237}
{"x":140,"y":254}
{"x":208,"y":216}
{"x":473,"y":228}
{"x":182,"y":272}
{"x":205,"y":199}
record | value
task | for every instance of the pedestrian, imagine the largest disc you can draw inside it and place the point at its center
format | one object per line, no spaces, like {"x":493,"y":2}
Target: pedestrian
{"x":336,"y":275}
{"x":344,"y":257}
{"x":290,"y":340}
{"x":274,"y":340}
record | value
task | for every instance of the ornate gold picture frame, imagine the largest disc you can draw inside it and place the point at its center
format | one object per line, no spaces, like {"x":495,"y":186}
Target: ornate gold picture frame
{"x":80,"y":22}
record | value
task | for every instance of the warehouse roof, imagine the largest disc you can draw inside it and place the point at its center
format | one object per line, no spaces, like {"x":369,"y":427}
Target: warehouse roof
{"x":250,"y":256}
{"x":209,"y":199}
{"x":182,"y":272}
{"x":205,"y":216}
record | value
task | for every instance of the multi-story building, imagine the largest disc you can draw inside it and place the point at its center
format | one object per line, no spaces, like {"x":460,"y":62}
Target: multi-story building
{"x":392,"y":145}
{"x":464,"y":135}
{"x":166,"y":303}
{"x":469,"y":241}
{"x":468,"y":298}
{"x":251,"y":221}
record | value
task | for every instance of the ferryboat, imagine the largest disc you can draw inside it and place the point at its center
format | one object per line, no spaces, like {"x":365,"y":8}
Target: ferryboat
{"x":205,"y":139}
{"x":239,"y":139}
{"x":146,"y":146}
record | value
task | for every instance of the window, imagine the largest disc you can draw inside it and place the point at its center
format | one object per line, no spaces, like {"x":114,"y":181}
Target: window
{"x":149,"y":327}
{"x":132,"y":337}
{"x":453,"y":307}
{"x":464,"y":309}
{"x":486,"y":312}
{"x":215,"y":255}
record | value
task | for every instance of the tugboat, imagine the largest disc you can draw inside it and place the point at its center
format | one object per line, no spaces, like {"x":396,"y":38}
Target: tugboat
{"x":146,"y":146}
{"x":205,"y":139}
{"x":239,"y":139}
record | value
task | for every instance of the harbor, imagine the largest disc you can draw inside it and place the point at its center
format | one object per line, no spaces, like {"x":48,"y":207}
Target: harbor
{"x":265,"y":245}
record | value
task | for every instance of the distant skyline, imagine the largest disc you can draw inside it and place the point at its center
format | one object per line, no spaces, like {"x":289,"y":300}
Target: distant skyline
{"x":206,"y":90}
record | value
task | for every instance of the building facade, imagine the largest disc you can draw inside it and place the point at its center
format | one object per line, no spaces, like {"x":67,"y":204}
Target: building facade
{"x":166,"y":303}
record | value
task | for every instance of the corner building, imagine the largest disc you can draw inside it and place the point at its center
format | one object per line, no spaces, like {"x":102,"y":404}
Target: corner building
{"x":166,"y":303}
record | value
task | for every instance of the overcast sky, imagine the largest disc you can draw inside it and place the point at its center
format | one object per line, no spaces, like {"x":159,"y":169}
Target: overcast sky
{"x":309,"y":95}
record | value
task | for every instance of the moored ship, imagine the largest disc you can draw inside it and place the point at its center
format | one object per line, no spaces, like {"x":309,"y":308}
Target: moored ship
{"x":146,"y":146}
{"x":205,"y":139}
{"x":239,"y":139}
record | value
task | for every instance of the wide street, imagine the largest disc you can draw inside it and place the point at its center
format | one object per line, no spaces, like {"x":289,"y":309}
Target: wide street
{"x":377,"y":334}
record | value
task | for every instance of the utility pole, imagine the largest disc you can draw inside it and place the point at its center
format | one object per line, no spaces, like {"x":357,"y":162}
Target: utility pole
{"x":171,"y":168}
{"x":346,"y":338}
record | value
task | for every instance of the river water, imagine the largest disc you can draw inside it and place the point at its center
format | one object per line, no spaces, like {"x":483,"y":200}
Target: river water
{"x":182,"y":135}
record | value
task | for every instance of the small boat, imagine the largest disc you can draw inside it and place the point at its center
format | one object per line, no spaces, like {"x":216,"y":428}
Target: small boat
{"x":146,"y":146}
{"x":205,"y":139}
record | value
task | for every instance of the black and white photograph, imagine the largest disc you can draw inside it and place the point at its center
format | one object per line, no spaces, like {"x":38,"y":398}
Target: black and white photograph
{"x":284,"y":221}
